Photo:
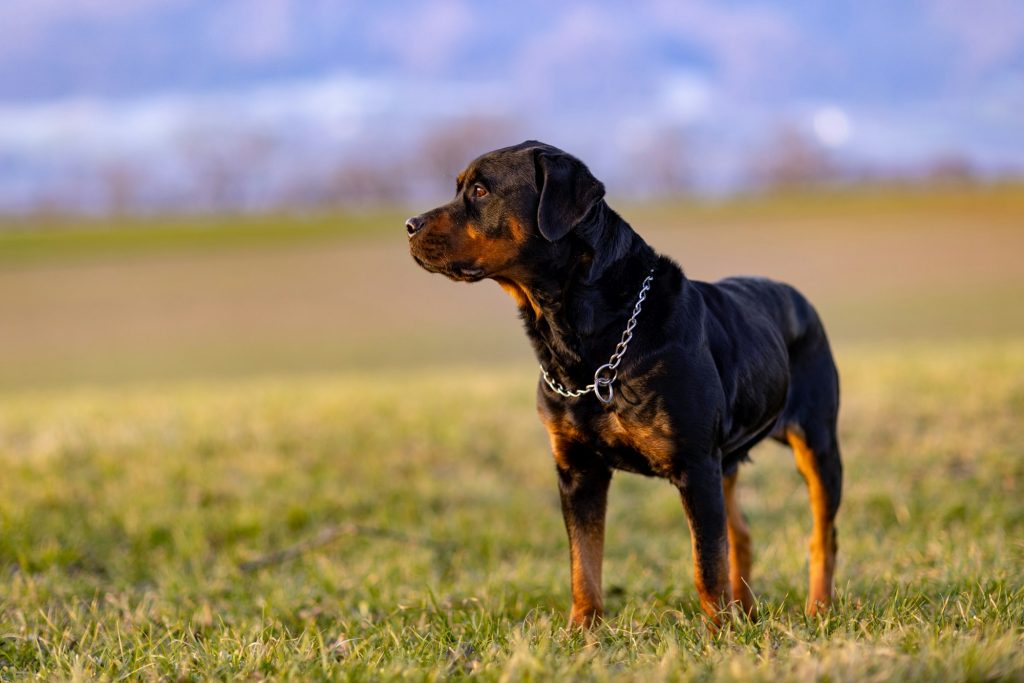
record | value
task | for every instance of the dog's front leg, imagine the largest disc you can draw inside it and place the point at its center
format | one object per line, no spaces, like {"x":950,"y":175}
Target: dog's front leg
{"x":584,"y":494}
{"x":700,"y":485}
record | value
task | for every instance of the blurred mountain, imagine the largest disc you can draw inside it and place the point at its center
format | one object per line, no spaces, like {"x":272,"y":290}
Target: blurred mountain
{"x":185,"y":104}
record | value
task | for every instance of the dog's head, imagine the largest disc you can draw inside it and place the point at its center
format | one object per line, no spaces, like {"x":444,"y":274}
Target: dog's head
{"x":512,"y":211}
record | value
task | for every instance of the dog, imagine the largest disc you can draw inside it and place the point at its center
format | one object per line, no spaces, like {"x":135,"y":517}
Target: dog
{"x":642,"y":369}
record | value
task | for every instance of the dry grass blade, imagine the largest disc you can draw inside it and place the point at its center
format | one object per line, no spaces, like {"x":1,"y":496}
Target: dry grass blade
{"x":331,"y":534}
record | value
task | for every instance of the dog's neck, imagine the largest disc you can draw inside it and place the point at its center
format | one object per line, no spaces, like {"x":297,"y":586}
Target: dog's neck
{"x":575,"y":310}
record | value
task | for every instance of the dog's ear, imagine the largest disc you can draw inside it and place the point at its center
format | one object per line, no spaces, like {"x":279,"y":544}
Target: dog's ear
{"x":567,"y":192}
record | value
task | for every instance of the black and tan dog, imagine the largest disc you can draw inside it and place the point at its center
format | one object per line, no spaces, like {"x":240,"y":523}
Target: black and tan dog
{"x":704,"y":371}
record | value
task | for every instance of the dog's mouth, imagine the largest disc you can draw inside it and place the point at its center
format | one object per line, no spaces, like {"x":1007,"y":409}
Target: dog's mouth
{"x":460,"y":272}
{"x":466,"y":274}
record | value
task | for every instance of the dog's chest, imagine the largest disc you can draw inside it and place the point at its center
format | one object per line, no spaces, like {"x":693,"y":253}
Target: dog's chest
{"x":641,"y":442}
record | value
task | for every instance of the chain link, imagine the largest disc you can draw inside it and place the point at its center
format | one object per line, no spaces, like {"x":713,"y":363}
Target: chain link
{"x":606,"y":375}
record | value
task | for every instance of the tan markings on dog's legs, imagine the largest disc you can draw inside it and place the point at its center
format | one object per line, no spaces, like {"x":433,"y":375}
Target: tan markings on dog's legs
{"x":586,"y":546}
{"x":822,"y":544}
{"x":710,"y":576}
{"x":740,"y":554}
{"x":584,"y":496}
{"x":704,"y":502}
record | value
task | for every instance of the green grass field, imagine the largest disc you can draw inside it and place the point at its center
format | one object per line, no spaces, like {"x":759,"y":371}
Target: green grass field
{"x":127,"y":518}
{"x":288,"y":458}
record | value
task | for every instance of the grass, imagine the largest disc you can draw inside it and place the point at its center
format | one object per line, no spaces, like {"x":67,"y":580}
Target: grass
{"x":30,"y":240}
{"x":127,"y":514}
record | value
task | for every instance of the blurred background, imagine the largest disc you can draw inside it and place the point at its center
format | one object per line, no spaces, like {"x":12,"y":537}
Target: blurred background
{"x":193,"y":189}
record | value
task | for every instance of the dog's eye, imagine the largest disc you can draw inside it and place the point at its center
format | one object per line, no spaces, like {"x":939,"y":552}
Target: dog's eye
{"x":479,"y":191}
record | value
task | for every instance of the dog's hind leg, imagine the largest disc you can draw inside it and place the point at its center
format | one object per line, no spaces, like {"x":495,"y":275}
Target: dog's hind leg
{"x":818,"y":461}
{"x":809,"y":426}
{"x":740,"y":552}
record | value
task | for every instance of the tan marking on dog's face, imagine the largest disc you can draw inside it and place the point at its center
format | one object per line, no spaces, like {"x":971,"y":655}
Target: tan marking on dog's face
{"x":441,"y":224}
{"x":492,"y":254}
{"x":498,"y":255}
{"x":518,"y":231}
{"x":450,"y":242}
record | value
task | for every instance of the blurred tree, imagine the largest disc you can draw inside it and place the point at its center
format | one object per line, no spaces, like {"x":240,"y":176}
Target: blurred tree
{"x":447,"y":148}
{"x":661,"y":164}
{"x":365,"y":182}
{"x":121,"y":181}
{"x":226,"y":166}
{"x":950,"y":168}
{"x":792,"y":159}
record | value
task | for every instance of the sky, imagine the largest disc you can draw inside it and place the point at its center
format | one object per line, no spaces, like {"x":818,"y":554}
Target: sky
{"x":285,"y":93}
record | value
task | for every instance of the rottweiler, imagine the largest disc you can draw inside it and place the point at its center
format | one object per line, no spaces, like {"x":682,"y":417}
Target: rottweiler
{"x":643,"y":369}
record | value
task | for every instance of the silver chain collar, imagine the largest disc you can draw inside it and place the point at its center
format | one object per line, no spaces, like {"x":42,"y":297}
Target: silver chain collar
{"x":606,"y":375}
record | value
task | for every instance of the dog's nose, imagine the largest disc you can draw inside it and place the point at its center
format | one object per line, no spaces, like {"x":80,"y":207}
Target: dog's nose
{"x":414,"y":225}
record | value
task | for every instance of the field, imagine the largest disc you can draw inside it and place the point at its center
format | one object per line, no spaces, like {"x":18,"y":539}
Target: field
{"x":274,"y":449}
